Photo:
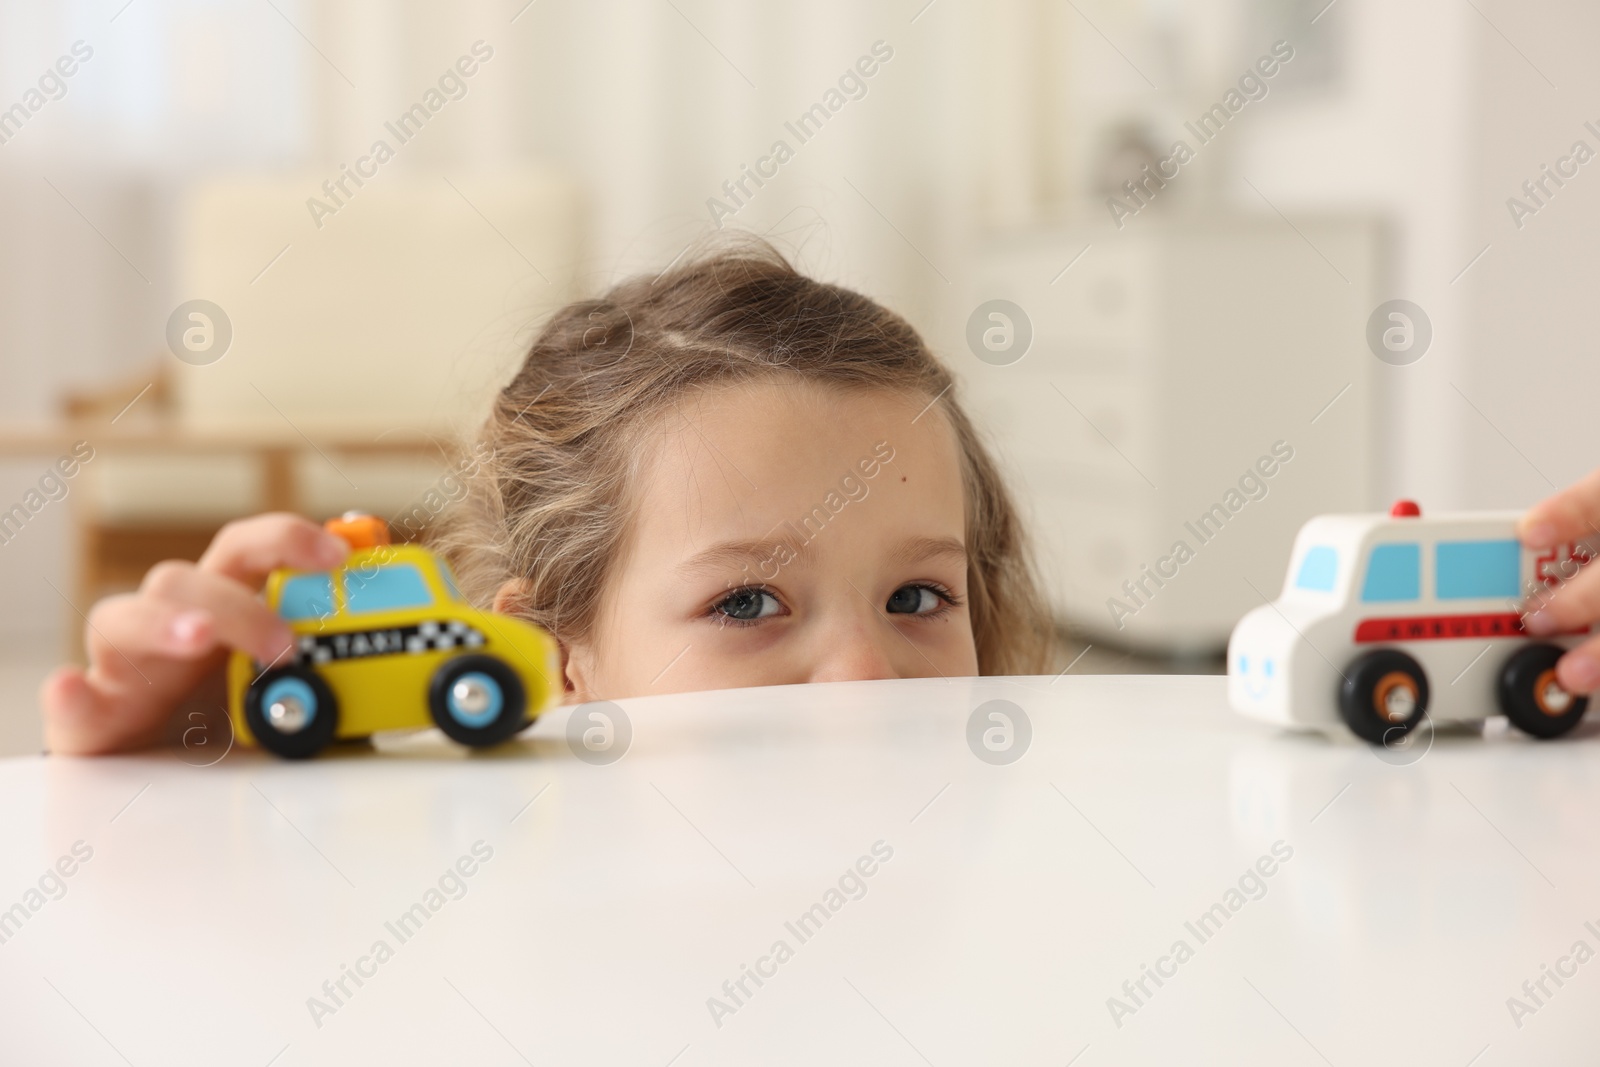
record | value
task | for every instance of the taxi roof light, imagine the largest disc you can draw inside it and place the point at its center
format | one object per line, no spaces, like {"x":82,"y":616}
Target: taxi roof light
{"x":359,"y":529}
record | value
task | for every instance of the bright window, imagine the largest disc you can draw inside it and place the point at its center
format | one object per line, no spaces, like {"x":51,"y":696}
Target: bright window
{"x":1319,"y":570}
{"x":1468,"y":569}
{"x":399,"y":585}
{"x":306,"y":596}
{"x":1394,"y":572}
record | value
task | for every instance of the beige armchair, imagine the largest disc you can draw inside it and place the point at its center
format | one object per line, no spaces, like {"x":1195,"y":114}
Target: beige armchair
{"x":361,"y":350}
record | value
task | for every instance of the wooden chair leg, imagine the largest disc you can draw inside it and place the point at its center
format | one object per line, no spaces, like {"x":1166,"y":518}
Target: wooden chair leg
{"x":279,"y":486}
{"x":90,"y":579}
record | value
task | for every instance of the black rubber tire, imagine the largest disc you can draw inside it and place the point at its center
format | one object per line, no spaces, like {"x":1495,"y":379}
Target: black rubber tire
{"x":1366,"y":680}
{"x":306,"y":743}
{"x":513,"y":714}
{"x":1522,"y":679}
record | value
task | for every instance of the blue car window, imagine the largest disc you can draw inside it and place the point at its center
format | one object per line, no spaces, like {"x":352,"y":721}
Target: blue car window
{"x":1466,"y":569}
{"x":1319,"y":570}
{"x":306,"y":596}
{"x":398,"y":585}
{"x":1394,"y":572}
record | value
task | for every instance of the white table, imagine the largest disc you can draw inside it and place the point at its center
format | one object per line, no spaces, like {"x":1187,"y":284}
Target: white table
{"x":1421,"y":893}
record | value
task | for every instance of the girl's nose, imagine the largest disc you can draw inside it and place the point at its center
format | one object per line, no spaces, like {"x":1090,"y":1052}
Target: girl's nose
{"x":857,"y":650}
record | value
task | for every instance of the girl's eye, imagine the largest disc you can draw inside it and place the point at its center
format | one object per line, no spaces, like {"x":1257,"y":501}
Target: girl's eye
{"x":748,"y":605}
{"x":914,"y":600}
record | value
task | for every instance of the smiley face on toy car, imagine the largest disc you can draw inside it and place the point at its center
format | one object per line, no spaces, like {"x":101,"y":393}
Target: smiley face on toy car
{"x":1255,"y":675}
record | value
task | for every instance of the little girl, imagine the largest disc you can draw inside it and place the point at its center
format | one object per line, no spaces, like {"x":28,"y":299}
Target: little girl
{"x":727,"y":475}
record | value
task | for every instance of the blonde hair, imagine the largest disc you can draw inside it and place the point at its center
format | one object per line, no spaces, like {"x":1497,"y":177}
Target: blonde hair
{"x":551,"y":504}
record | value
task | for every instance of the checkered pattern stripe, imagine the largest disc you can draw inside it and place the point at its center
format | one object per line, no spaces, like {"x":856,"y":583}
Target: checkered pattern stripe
{"x":433,"y":635}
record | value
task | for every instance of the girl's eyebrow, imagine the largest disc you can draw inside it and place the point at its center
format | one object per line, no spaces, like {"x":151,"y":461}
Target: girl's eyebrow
{"x":923,"y":549}
{"x":753,"y":555}
{"x":762,"y":556}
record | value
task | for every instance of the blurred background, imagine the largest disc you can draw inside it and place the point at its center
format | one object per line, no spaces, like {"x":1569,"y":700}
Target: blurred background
{"x":276,"y":253}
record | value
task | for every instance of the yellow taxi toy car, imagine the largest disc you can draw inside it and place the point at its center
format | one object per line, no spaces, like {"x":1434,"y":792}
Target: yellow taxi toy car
{"x":385,"y":642}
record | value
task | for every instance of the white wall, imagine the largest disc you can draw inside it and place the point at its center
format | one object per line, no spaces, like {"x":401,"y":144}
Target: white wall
{"x":1445,"y":121}
{"x":1394,"y":142}
{"x":1533,"y":347}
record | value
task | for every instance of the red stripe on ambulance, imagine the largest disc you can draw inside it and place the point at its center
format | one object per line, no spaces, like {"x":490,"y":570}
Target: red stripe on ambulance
{"x":1438,"y":627}
{"x":1443,"y":627}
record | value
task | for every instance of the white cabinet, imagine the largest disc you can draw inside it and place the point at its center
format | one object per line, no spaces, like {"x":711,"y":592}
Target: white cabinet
{"x":1172,"y":358}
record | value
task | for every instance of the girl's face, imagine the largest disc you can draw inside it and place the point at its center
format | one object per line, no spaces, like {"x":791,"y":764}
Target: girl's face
{"x":787,"y":533}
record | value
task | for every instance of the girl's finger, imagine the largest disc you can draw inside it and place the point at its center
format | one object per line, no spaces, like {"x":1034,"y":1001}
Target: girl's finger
{"x":80,"y":720}
{"x":249,"y":549}
{"x":234,"y":615}
{"x":132,"y":629}
{"x":71,"y":712}
{"x":1579,"y":670}
{"x":1570,"y":515}
{"x":1572,"y":606}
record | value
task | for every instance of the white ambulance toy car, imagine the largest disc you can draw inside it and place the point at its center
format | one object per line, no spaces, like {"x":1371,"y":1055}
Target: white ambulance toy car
{"x":1386,"y":619}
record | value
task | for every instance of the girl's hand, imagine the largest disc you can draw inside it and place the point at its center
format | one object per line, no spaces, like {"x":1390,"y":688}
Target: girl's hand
{"x":151,"y":650}
{"x":1570,"y":515}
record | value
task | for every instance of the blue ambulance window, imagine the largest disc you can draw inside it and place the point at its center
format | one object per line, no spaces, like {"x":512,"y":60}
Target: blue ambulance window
{"x":1319,"y":570}
{"x":1394,"y":572}
{"x":1468,"y":569}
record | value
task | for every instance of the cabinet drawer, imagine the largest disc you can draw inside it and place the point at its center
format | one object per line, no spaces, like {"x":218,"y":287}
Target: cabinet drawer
{"x":1102,"y":428}
{"x":1086,"y":548}
{"x":1105,"y":300}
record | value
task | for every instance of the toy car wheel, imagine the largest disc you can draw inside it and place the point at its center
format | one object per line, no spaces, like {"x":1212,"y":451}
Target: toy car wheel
{"x":1531,"y":697}
{"x":478,"y":701}
{"x":1383,"y":696}
{"x":291,"y":712}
